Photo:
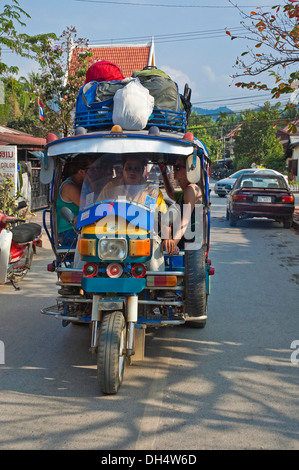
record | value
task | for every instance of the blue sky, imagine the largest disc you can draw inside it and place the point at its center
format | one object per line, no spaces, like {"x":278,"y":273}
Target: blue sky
{"x":190,"y":41}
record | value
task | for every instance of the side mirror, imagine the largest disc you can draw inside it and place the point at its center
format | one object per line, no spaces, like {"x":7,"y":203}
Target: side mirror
{"x":21,"y":205}
{"x":67,"y":214}
{"x":193,"y":168}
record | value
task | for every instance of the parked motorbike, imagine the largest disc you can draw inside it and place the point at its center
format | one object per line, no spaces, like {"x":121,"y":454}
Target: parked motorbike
{"x":17,"y":247}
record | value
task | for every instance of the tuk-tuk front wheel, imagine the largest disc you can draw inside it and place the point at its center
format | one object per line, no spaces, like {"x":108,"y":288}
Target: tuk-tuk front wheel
{"x":111,"y":357}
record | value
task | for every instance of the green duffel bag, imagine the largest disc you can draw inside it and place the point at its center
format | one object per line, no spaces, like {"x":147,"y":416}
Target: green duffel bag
{"x":149,"y":72}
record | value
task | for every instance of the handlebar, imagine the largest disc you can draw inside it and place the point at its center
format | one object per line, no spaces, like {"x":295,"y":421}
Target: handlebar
{"x":12,"y":220}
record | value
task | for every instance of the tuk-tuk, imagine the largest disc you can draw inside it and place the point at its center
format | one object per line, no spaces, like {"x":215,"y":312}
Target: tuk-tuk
{"x":116,"y":277}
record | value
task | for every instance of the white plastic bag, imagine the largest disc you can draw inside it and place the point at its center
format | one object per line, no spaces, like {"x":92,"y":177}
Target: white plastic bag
{"x":132,"y":106}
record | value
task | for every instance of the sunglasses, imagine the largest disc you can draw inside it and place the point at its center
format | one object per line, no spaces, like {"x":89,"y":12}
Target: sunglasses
{"x":137,"y":169}
{"x":178,"y":167}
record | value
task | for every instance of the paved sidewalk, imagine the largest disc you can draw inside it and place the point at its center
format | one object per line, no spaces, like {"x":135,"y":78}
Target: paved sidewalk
{"x":296,"y":218}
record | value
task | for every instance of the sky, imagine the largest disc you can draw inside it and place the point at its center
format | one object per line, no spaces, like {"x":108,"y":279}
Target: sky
{"x":190,"y":40}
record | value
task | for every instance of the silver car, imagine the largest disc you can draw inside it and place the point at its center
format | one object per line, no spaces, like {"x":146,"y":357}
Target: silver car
{"x":222,"y":187}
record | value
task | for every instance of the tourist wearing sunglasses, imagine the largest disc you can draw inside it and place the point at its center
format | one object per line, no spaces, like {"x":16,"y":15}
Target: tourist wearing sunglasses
{"x":190,"y":194}
{"x":132,"y":184}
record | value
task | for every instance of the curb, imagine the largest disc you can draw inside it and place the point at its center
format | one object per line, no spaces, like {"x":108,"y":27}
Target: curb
{"x":295,"y":225}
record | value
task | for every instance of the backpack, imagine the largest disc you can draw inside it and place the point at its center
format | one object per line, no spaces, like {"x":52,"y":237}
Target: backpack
{"x":161,"y":87}
{"x":103,"y":70}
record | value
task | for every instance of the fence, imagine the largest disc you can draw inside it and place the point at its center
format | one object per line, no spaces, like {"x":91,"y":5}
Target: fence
{"x":39,"y":191}
{"x":294,"y":188}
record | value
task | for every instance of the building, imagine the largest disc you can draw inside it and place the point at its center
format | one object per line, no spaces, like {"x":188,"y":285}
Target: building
{"x":289,"y":141}
{"x":128,"y":57}
{"x":292,"y":152}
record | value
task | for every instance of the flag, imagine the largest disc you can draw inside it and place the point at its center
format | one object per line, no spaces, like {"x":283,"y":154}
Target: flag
{"x":41,"y":110}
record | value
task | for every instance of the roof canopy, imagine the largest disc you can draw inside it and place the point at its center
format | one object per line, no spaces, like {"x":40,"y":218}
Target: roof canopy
{"x":20,"y":139}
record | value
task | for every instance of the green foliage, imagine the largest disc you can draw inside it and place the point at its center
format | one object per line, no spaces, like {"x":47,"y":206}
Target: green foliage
{"x":274,"y":36}
{"x":20,"y":43}
{"x":256,"y":140}
{"x":206,"y":130}
{"x":8,"y":202}
{"x":19,"y":110}
{"x":58,"y":85}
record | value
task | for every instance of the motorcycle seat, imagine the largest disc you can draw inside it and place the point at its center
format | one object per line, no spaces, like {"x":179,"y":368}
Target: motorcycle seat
{"x":26,"y":232}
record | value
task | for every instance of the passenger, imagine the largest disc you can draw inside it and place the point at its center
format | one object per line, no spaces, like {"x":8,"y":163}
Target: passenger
{"x":101,"y":173}
{"x":191,"y":195}
{"x":69,"y":196}
{"x":132,"y":184}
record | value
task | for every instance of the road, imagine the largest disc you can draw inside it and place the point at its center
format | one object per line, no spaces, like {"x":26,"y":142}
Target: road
{"x":231,"y":385}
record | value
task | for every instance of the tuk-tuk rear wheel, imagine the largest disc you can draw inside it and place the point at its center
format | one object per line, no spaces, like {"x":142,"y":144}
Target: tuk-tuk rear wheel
{"x":195,"y":286}
{"x":111,"y":357}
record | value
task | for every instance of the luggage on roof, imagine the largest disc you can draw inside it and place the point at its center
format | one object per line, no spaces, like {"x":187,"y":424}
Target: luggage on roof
{"x":94,"y":106}
{"x":103,"y":70}
{"x":164,"y":90}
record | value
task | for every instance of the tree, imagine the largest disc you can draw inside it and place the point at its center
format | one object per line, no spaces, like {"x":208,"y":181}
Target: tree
{"x":206,"y":130}
{"x":20,"y":43}
{"x":58,"y":85}
{"x":256,"y":141}
{"x":275,"y":38}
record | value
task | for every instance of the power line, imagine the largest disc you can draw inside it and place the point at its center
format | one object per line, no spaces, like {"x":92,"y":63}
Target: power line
{"x":167,"y":6}
{"x":161,"y":38}
{"x":169,"y":37}
{"x":230,"y":99}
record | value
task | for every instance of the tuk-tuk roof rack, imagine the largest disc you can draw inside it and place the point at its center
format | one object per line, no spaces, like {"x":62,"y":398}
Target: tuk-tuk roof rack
{"x":100,"y":118}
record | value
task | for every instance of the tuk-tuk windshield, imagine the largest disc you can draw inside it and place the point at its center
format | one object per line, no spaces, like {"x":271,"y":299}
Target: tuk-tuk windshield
{"x":112,"y":177}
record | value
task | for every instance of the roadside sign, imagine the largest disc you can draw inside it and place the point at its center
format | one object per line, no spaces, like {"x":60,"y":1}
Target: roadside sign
{"x":9,"y":164}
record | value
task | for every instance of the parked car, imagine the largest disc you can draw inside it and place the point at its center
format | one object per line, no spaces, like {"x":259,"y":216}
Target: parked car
{"x":222,"y":187}
{"x":260,"y":195}
{"x":266,"y":170}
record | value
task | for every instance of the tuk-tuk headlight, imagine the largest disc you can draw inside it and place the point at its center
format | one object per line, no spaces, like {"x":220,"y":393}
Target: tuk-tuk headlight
{"x":113,"y":248}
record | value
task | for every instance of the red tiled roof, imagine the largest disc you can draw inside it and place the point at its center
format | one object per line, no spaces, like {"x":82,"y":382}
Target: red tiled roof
{"x":127,"y":57}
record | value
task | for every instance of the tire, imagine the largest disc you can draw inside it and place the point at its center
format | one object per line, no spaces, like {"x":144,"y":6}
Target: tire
{"x":232,"y":219}
{"x":195,"y":286}
{"x":19,"y":270}
{"x":111,"y":359}
{"x":227,"y":214}
{"x":287,"y":223}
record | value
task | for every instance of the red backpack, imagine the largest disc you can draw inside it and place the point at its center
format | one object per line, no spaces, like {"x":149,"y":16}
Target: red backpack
{"x":103,"y":71}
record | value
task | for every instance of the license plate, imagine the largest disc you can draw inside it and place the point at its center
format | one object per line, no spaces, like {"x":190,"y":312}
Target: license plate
{"x":264,"y":199}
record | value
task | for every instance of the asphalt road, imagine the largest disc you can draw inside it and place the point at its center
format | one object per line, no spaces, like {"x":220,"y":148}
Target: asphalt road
{"x":232,"y":385}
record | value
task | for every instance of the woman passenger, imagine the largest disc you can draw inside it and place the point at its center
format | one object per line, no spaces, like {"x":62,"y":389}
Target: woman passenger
{"x":189,"y":195}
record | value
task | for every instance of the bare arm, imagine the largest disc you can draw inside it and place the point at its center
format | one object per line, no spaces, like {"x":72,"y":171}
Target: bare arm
{"x":71,"y":193}
{"x":167,"y":184}
{"x":192,"y":196}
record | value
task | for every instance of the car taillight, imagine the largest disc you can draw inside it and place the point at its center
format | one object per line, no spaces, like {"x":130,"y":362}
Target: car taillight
{"x":239,"y":197}
{"x":287,"y":198}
